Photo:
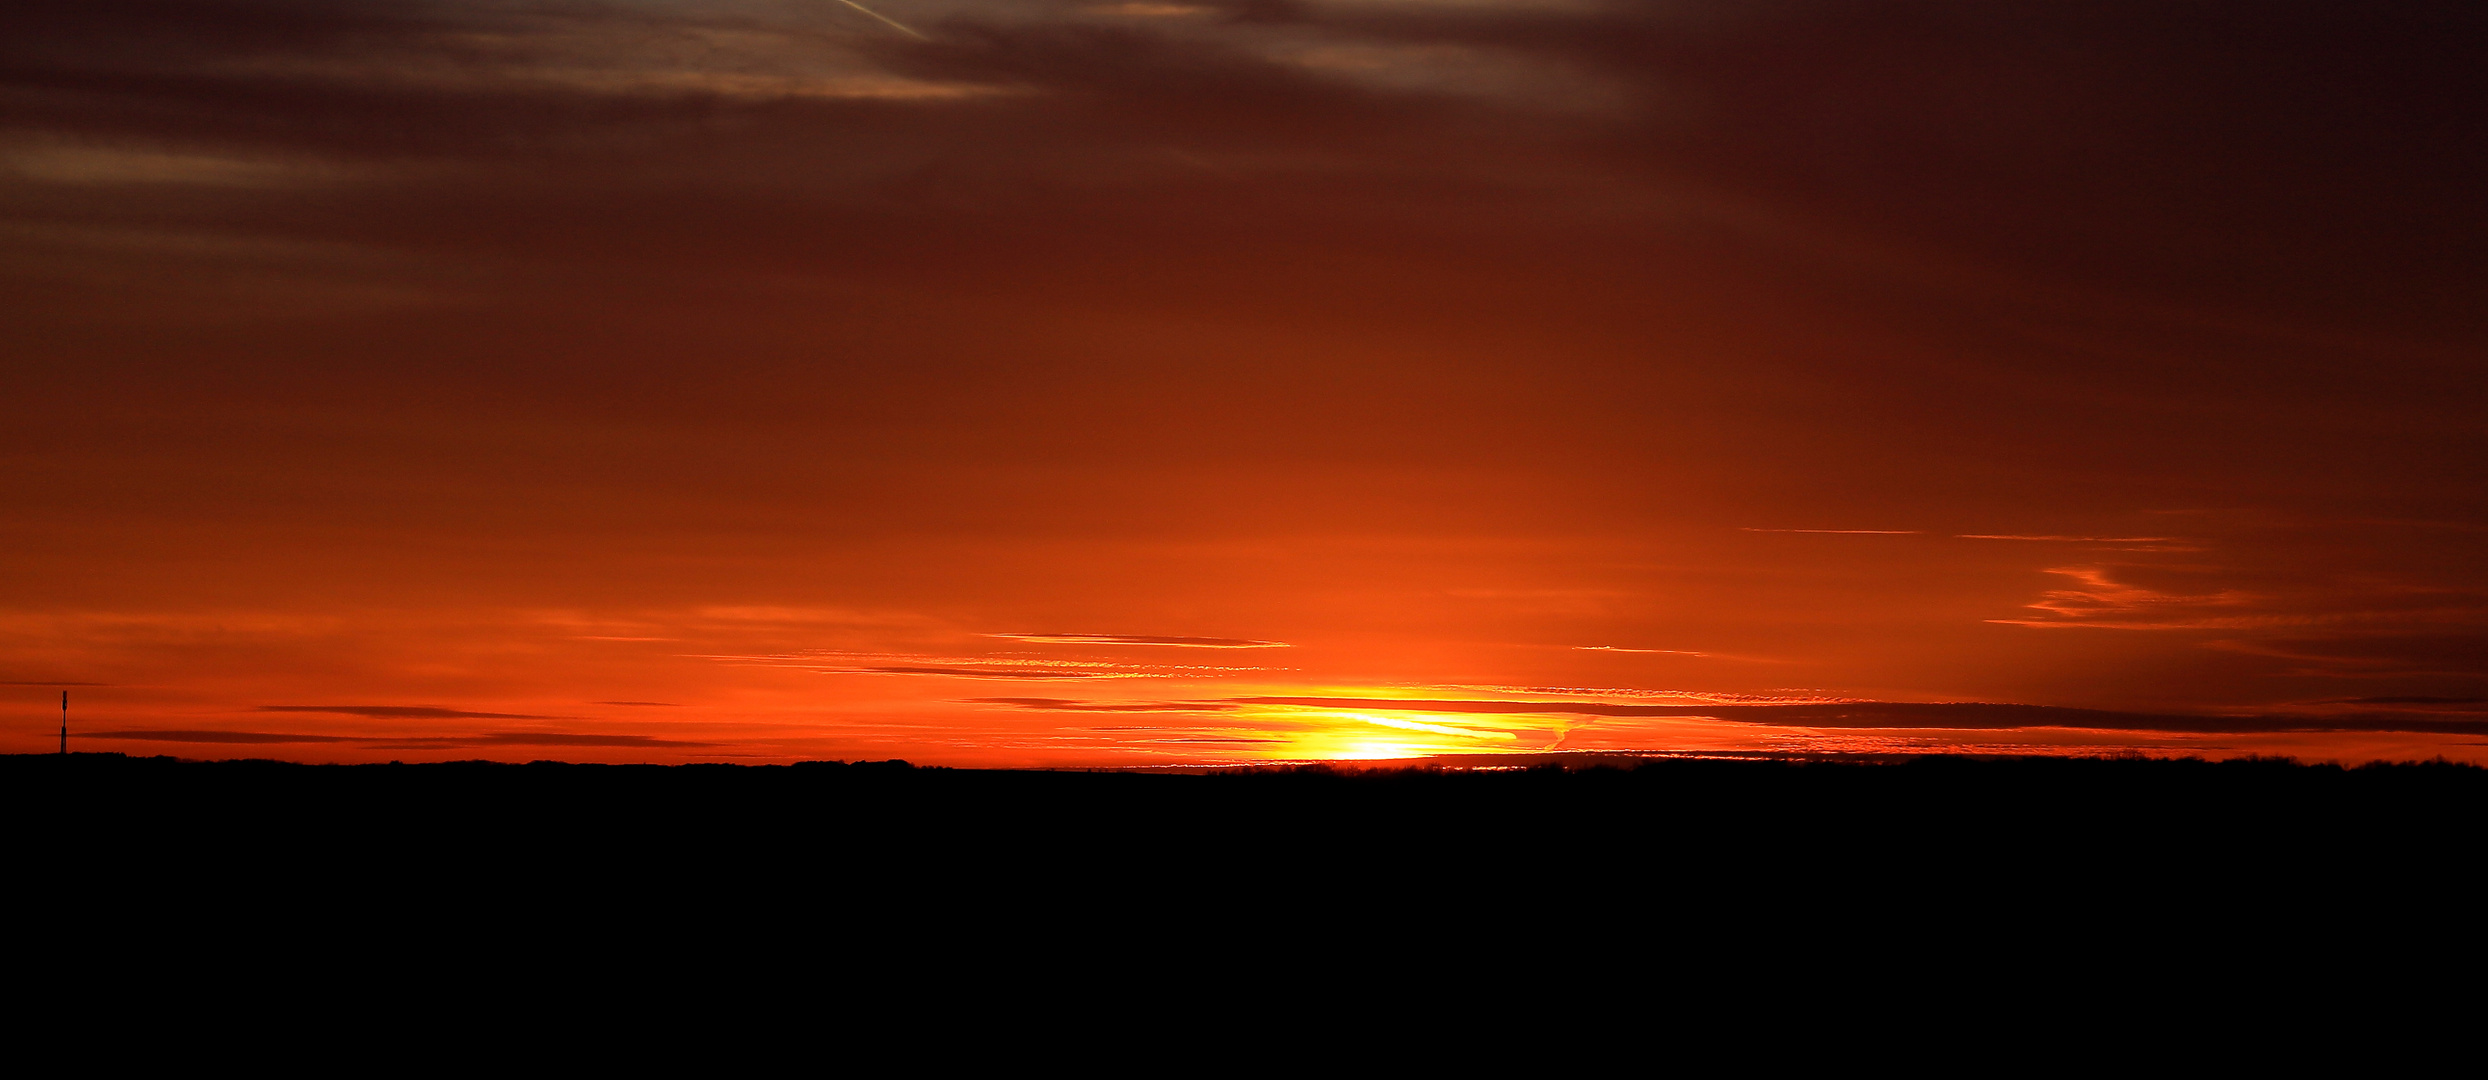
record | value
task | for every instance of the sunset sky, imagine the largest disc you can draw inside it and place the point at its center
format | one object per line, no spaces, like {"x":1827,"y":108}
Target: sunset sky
{"x":1020,"y":382}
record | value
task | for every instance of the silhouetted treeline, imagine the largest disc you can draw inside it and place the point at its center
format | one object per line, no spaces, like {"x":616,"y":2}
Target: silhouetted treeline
{"x":1929,"y":808}
{"x":874,"y":852}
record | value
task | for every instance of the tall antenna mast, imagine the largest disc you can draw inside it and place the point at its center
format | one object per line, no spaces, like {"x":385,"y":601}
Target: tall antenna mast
{"x":64,"y":722}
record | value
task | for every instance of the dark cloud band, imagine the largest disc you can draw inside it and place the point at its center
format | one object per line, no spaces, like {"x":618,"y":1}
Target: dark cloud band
{"x":1938,"y":715}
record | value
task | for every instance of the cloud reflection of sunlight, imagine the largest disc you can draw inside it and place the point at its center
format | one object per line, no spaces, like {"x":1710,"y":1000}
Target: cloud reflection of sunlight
{"x":1333,"y":734}
{"x":1438,"y":729}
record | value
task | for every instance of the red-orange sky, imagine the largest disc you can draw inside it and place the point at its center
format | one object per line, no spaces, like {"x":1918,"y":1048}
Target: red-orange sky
{"x":1017,"y":383}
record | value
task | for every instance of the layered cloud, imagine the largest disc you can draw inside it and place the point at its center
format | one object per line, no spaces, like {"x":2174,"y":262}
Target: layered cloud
{"x":1144,"y":639}
{"x":758,"y":357}
{"x":386,"y":742}
{"x":2150,"y":148}
{"x":1072,"y":705}
{"x":1892,"y":715}
{"x":402,"y":712}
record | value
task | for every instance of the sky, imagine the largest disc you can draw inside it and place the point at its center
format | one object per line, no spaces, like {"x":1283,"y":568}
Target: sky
{"x":1040,"y":383}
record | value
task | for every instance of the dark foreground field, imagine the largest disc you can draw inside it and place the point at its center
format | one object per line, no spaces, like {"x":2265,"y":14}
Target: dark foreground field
{"x":1768,"y":829}
{"x":1317,"y":895}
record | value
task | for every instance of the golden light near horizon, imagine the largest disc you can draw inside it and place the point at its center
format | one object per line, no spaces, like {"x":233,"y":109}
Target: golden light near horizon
{"x":1321,"y":734}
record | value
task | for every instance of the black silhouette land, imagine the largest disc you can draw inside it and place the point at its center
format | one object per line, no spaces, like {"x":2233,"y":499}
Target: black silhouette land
{"x":1833,"y":838}
{"x":1026,"y":908}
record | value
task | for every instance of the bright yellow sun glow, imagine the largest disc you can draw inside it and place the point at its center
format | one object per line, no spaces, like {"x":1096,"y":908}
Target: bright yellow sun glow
{"x":1336,"y":735}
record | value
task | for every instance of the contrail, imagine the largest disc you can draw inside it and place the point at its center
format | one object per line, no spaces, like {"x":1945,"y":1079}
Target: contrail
{"x":894,"y":23}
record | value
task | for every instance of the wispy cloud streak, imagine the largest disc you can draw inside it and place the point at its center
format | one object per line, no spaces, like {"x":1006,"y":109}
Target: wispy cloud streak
{"x":1171,"y":641}
{"x":1908,"y":715}
{"x":404,"y":712}
{"x":1069,"y":705}
{"x":417,"y":742}
{"x":893,"y":24}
